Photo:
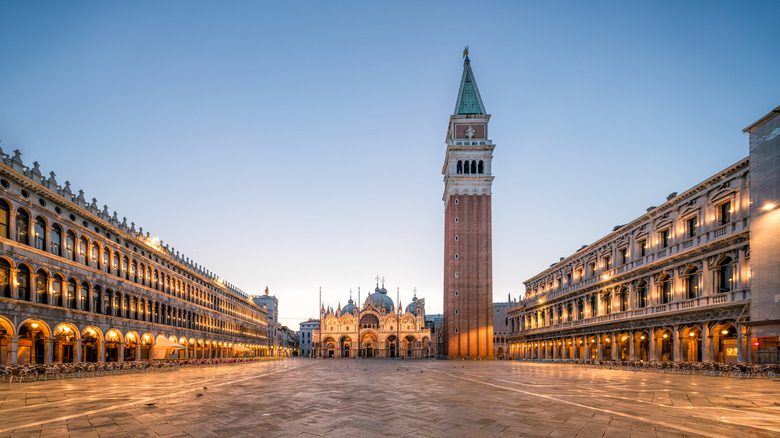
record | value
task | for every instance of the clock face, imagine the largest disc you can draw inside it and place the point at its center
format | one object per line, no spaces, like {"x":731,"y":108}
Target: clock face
{"x":473,"y":131}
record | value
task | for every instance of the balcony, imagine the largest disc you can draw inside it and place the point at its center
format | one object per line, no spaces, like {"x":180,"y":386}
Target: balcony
{"x":716,"y":300}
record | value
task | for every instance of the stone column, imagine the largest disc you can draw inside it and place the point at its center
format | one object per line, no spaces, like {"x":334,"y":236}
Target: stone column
{"x":101,"y":345}
{"x":13,"y":351}
{"x":599,"y":348}
{"x":651,"y":344}
{"x":631,"y":352}
{"x":138,"y":351}
{"x":120,"y":352}
{"x":555,"y":350}
{"x":706,"y":278}
{"x":78,"y":352}
{"x":739,"y":282}
{"x":749,"y":346}
{"x":48,"y":351}
{"x":587,"y":348}
{"x":677,"y":345}
{"x":13,"y":283}
{"x":614,"y":346}
{"x":740,"y":344}
{"x":651,"y":292}
{"x":706,"y":343}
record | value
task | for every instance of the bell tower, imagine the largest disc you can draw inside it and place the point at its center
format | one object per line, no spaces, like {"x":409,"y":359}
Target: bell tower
{"x":468,"y":258}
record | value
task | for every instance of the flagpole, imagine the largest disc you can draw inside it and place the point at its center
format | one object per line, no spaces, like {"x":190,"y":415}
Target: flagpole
{"x":398,"y":322}
{"x":320,"y":352}
{"x":360,"y":309}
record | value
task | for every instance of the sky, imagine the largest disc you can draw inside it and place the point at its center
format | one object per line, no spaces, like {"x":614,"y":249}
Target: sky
{"x":299,"y":145}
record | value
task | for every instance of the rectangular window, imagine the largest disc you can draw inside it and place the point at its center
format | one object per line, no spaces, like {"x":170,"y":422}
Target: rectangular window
{"x":4,"y":217}
{"x":663,"y":238}
{"x":642,"y":247}
{"x":725,"y":212}
{"x":623,"y":256}
{"x":607,"y":262}
{"x":592,"y":268}
{"x":691,"y":226}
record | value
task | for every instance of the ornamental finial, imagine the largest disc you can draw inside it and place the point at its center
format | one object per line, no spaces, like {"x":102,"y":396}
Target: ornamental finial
{"x":466,"y":52}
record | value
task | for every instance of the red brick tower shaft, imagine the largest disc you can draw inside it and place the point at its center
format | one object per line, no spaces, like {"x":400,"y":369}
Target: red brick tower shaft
{"x":468,"y":274}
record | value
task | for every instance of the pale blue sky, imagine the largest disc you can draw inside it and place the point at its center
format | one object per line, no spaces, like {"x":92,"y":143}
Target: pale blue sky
{"x":299,"y":145}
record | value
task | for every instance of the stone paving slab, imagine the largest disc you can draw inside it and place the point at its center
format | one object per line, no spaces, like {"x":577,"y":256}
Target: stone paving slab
{"x":370,"y":398}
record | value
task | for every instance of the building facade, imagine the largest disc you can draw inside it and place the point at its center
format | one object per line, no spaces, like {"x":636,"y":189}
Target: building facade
{"x":276,"y":338}
{"x":305,"y":339}
{"x":376,"y":329}
{"x":468,"y":274}
{"x":679,"y":283}
{"x":765,"y":234}
{"x":77,"y":284}
{"x":501,"y":329}
{"x":673,"y":284}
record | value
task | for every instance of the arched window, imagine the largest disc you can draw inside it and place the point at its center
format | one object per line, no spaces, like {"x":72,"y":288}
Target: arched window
{"x":134,"y":271}
{"x":94,"y":255}
{"x":40,"y":233}
{"x":569,"y":312}
{"x":83,"y":245}
{"x":125,"y":269}
{"x":42,"y":286}
{"x":56,"y":240}
{"x":665,"y":289}
{"x":116,"y":263}
{"x":460,"y":167}
{"x":70,"y":245}
{"x":70,"y":299}
{"x":22,"y":227}
{"x":126,"y":305}
{"x":641,"y":294}
{"x":5,"y":278}
{"x":56,"y":291}
{"x":5,"y":218}
{"x":481,"y":167}
{"x":725,"y":274}
{"x":23,"y":283}
{"x":106,"y":259}
{"x":97,"y":300}
{"x":692,"y":283}
{"x":593,"y":306}
{"x":84,"y":296}
{"x":623,"y":299}
{"x":474,"y":167}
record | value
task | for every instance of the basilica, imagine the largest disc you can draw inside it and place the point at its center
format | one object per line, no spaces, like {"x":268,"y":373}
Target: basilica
{"x":377,"y":329}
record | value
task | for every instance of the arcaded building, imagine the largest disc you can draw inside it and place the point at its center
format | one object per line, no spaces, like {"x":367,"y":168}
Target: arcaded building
{"x":468,"y":250}
{"x":678,"y":283}
{"x":79,"y":284}
{"x":375,"y":329}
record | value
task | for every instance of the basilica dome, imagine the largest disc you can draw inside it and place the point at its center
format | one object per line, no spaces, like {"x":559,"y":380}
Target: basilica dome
{"x":380,"y":300}
{"x":412,"y":307}
{"x":349,"y":308}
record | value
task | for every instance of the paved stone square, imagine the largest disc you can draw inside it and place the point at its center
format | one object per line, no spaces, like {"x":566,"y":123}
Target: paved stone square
{"x":303,"y":397}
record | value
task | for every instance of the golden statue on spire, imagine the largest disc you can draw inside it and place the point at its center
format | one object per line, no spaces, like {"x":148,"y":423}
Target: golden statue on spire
{"x":466,"y":52}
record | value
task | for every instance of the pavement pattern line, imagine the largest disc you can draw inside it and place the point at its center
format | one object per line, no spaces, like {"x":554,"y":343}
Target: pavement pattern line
{"x":596,"y":393}
{"x":135,"y":402}
{"x":100,"y":395}
{"x":602,"y":410}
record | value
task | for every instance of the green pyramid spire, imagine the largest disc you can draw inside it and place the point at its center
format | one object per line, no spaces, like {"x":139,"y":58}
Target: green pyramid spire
{"x":469,"y":101}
